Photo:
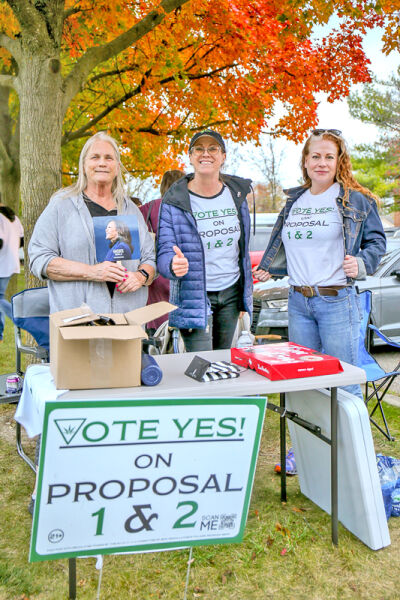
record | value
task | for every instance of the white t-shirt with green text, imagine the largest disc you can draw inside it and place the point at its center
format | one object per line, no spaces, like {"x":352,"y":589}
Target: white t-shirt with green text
{"x":313,"y":240}
{"x":219,"y":229}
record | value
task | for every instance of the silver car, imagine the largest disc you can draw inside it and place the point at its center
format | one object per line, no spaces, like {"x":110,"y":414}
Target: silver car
{"x":270,"y":301}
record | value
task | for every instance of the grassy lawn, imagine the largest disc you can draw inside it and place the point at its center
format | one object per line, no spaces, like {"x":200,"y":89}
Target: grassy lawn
{"x":286,"y":552}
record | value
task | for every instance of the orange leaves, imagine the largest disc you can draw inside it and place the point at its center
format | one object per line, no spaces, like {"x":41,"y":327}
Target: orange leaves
{"x":241,"y":66}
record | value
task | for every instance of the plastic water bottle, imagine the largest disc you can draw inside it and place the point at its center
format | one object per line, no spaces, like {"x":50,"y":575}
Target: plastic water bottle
{"x":244,"y":340}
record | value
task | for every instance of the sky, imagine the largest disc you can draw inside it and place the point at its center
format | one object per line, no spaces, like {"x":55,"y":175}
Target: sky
{"x":336,"y":115}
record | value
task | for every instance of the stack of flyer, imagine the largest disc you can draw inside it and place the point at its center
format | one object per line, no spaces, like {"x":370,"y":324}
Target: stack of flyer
{"x":285,"y":361}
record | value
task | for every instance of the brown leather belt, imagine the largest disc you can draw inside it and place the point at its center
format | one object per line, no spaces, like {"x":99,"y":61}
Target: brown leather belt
{"x":308,"y":291}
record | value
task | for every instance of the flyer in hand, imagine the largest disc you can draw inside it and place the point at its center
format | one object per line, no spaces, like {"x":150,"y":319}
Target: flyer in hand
{"x":285,"y":360}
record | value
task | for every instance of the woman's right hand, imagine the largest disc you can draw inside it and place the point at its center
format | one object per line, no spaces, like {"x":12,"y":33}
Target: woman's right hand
{"x":180,"y":264}
{"x":108,"y":271}
{"x":260,"y":274}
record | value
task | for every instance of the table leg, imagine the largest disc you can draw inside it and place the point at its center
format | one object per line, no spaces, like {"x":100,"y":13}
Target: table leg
{"x":334,"y":466}
{"x":282,"y":429}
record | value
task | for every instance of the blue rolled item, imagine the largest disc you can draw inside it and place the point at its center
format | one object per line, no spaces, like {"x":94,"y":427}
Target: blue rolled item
{"x":151,"y":373}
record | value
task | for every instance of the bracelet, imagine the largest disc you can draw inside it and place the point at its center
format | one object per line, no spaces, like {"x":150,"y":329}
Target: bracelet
{"x":144,"y":273}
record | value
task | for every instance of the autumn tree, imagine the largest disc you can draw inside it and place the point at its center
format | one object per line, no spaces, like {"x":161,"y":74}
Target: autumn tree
{"x":154,"y":73}
{"x":377,"y":165}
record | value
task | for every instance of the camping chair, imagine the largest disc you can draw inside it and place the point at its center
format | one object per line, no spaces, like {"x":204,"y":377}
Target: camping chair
{"x":30,"y":313}
{"x":380,"y":379}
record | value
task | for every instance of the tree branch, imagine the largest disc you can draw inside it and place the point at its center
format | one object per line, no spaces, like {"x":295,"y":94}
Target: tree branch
{"x":71,"y":11}
{"x":82,"y":131}
{"x":11,"y":45}
{"x":28,"y":17}
{"x":98,"y":54}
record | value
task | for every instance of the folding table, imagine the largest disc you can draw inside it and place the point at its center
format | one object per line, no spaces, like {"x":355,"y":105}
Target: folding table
{"x":177,"y":385}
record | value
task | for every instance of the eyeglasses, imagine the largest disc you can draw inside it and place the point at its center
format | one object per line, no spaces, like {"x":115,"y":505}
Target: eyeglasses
{"x":335,"y":132}
{"x":200,"y":150}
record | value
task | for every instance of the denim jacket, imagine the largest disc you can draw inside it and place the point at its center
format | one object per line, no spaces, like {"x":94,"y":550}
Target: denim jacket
{"x":363,"y":234}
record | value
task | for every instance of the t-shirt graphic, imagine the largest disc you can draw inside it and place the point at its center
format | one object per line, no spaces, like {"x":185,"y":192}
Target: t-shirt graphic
{"x":219,"y":229}
{"x":116,"y":238}
{"x":314,"y":241}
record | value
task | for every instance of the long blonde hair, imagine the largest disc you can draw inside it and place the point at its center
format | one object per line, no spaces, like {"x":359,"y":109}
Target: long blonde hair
{"x":117,"y":187}
{"x":344,"y":171}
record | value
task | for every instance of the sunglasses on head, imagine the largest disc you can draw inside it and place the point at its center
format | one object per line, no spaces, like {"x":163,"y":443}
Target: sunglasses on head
{"x":336,"y":132}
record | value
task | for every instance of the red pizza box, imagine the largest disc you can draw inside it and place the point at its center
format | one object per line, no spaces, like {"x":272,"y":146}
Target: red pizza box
{"x":285,"y":360}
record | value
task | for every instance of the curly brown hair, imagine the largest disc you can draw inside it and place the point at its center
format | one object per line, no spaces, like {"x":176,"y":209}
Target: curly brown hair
{"x":344,"y":172}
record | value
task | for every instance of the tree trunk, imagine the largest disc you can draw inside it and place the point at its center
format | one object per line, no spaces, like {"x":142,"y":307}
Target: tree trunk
{"x":40,"y":95}
{"x":9,"y":155}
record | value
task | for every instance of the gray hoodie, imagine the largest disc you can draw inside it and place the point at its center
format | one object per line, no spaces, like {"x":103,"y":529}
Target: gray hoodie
{"x":65,"y":229}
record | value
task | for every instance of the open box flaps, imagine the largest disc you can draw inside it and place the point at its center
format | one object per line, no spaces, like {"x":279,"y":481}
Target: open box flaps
{"x":84,"y":356}
{"x":143,"y":315}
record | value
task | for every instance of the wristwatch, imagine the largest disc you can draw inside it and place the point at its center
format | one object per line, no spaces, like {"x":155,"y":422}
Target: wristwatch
{"x":144,"y":273}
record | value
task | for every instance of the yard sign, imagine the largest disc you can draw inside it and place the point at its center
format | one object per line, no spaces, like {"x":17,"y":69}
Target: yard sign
{"x":144,"y":475}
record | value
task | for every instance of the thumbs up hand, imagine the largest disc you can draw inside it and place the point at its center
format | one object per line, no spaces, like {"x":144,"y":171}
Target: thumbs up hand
{"x":180,"y":264}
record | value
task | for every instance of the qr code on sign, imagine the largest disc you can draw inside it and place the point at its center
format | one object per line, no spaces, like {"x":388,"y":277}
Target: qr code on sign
{"x":227,"y":521}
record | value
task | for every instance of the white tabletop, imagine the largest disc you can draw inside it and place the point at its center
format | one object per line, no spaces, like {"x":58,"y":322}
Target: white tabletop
{"x":39,"y":386}
{"x":175,"y":383}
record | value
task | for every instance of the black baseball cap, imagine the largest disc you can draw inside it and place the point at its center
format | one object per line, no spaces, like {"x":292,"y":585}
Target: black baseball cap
{"x":210,"y":133}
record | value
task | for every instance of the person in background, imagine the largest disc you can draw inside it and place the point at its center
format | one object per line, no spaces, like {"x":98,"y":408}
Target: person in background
{"x":159,"y":289}
{"x":327,"y":236}
{"x":62,"y":248}
{"x":11,"y":239}
{"x":203,"y":247}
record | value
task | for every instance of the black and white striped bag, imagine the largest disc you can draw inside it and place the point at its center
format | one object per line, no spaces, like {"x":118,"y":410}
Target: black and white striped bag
{"x":221,"y":370}
{"x":203,"y":370}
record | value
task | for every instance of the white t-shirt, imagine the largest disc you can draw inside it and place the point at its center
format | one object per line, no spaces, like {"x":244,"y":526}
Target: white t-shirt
{"x":11,"y":234}
{"x":219,"y":229}
{"x":314,"y":241}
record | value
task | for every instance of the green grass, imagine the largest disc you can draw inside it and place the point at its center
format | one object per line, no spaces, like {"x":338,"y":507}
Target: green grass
{"x":286,"y":552}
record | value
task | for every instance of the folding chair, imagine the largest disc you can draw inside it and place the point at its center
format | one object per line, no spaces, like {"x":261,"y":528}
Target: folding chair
{"x":380,"y":379}
{"x":30,"y":312}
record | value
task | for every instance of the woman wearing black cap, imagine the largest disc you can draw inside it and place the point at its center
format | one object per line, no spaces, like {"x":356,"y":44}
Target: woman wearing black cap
{"x":203,"y":247}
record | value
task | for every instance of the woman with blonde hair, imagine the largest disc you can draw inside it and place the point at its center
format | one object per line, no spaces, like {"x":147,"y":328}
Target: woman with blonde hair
{"x":63,"y":250}
{"x":327,"y":236}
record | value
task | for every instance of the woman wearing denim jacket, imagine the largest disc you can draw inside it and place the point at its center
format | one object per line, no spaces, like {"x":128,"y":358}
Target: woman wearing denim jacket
{"x":327,"y":236}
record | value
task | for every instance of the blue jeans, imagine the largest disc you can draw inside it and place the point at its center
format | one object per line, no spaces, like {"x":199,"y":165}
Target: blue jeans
{"x":5,"y":306}
{"x":225,"y":309}
{"x":330,"y":324}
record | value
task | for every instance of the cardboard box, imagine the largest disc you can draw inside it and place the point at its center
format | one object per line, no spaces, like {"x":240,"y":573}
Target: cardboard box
{"x":106,"y":356}
{"x":285,"y":360}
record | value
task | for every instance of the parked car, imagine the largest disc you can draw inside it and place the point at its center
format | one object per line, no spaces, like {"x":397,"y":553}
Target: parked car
{"x":270,"y":300}
{"x":259,"y":240}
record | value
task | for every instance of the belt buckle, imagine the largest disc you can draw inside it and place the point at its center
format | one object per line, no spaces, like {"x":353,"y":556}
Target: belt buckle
{"x":307,"y":291}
